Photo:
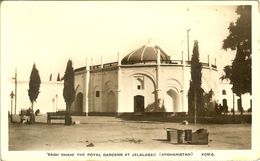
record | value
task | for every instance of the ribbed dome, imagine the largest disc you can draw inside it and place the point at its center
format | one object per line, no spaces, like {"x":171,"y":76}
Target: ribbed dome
{"x":144,"y":54}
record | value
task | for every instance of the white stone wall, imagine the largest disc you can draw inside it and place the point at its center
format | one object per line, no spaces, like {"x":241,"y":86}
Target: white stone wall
{"x":129,"y":89}
{"x":105,"y":83}
{"x":170,"y":80}
{"x":172,"y":88}
{"x":172,"y":84}
{"x":50,"y":98}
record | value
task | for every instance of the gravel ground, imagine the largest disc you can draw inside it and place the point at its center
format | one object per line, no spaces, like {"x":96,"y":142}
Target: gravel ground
{"x":110,"y":133}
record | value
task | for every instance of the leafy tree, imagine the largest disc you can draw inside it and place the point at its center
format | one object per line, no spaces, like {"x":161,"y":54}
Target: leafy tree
{"x":209,"y":104}
{"x":34,"y":87}
{"x":239,"y":31}
{"x":195,"y":94}
{"x":68,"y":91}
{"x":239,"y":39}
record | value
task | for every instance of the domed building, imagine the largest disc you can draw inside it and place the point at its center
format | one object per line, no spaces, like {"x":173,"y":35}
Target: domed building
{"x":145,"y":80}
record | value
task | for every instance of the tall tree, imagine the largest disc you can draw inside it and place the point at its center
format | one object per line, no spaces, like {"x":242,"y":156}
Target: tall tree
{"x":195,"y":94}
{"x":68,"y":91}
{"x":34,"y":85}
{"x":33,"y":92}
{"x":239,"y":39}
{"x":50,"y":77}
{"x":58,"y":77}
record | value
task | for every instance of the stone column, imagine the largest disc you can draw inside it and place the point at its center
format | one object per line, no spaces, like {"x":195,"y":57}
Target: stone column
{"x":102,"y":89}
{"x":184,"y":90}
{"x":119,"y":74}
{"x":209,"y":62}
{"x":87,"y":88}
{"x":158,"y":96}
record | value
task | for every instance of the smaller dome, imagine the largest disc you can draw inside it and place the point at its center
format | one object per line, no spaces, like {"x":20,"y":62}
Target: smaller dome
{"x":144,"y":54}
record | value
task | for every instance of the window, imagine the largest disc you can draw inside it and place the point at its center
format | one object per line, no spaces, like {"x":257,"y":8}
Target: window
{"x":223,"y":92}
{"x":139,"y":83}
{"x":97,"y":93}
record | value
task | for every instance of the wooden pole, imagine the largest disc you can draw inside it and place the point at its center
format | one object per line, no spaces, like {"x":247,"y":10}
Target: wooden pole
{"x":188,"y":45}
{"x":15,"y":95}
{"x":195,"y":108}
{"x":234,"y":107}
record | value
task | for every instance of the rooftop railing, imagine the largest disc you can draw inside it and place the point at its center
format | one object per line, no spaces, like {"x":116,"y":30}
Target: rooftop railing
{"x":107,"y":65}
{"x":149,"y":62}
{"x":171,"y":61}
{"x":95,"y":67}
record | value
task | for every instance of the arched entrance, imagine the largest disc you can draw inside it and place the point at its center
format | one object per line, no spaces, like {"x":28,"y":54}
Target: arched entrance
{"x":172,"y":101}
{"x":111,"y":102}
{"x":79,"y":103}
{"x":138,"y":103}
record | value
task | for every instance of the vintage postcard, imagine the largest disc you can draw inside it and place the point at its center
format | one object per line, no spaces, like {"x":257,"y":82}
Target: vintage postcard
{"x":130,"y":80}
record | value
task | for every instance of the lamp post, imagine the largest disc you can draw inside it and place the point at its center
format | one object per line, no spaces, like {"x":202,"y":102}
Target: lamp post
{"x":53,"y":99}
{"x":56,"y":102}
{"x":15,"y":90}
{"x":188,"y":45}
{"x":12,"y":97}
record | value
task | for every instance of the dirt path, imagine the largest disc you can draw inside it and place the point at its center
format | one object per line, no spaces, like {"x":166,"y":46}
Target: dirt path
{"x":116,"y":134}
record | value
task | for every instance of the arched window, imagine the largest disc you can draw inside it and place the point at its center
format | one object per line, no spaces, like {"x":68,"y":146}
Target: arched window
{"x":224,"y":92}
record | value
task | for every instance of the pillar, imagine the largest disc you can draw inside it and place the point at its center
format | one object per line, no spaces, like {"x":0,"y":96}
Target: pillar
{"x":101,"y":87}
{"x":87,"y":88}
{"x":158,"y":96}
{"x":185,"y":87}
{"x":119,"y":74}
{"x":209,"y":62}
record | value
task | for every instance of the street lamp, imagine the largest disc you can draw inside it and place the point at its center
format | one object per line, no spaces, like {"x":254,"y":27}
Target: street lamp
{"x":12,"y":97}
{"x":56,"y":102}
{"x":15,"y":83}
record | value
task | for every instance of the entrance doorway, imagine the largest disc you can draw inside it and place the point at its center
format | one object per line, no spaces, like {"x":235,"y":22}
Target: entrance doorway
{"x":111,"y":102}
{"x":138,"y":103}
{"x":79,"y":104}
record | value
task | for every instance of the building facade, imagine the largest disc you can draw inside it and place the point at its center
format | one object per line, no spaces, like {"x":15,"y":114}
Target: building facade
{"x":145,"y":80}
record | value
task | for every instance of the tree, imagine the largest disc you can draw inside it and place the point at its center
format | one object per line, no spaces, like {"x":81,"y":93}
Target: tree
{"x":50,"y":79}
{"x":58,"y":77}
{"x":209,"y":104}
{"x":34,"y":87}
{"x":195,"y":94}
{"x":239,"y":39}
{"x":68,"y":91}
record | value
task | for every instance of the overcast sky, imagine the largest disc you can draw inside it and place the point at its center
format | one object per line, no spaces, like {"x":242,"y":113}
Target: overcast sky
{"x":49,"y":33}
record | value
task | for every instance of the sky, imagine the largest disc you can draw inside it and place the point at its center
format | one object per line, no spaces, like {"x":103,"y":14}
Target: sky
{"x":49,"y":33}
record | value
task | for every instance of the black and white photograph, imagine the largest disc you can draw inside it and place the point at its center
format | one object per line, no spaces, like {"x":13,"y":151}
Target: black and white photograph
{"x":132,"y":80}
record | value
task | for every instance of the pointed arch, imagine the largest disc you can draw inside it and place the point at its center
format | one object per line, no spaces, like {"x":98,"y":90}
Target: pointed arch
{"x":79,"y":103}
{"x":146,"y":74}
{"x":111,"y":104}
{"x":172,"y":100}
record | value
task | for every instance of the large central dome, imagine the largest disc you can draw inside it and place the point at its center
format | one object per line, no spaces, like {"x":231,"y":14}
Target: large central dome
{"x":145,"y":54}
